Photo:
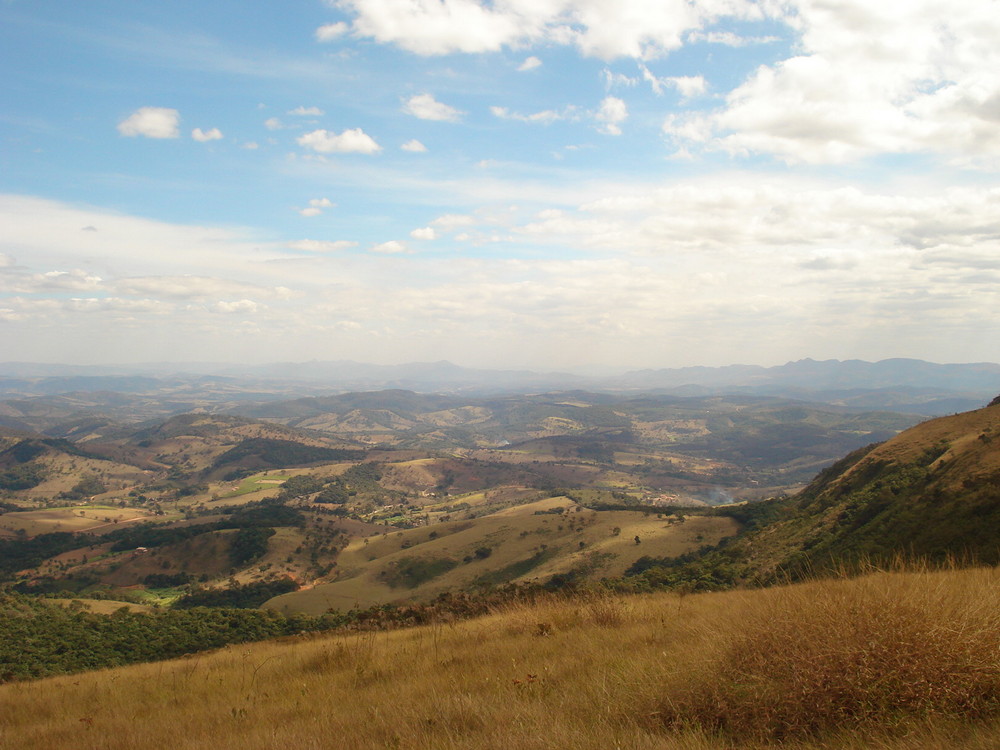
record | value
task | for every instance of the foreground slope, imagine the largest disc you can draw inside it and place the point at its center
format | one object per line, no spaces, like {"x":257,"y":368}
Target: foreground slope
{"x":894,"y":661}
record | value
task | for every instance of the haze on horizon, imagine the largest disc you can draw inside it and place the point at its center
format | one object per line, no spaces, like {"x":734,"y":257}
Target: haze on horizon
{"x":647,"y":183}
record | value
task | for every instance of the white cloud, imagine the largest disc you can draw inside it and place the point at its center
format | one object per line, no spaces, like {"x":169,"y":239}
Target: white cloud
{"x":273,"y":123}
{"x":424,"y":233}
{"x":321,"y":246}
{"x":243,"y":306}
{"x":614,"y":80}
{"x":625,"y":28}
{"x":687,"y":86}
{"x":354,"y":141}
{"x":316,"y":206}
{"x":306,"y":112}
{"x":115,"y":304}
{"x":530,"y":63}
{"x":77,"y":280}
{"x":866,"y":79}
{"x":414,"y":146}
{"x":426,"y":107}
{"x":251,"y":145}
{"x":203,"y":136}
{"x":728,"y":38}
{"x":330,"y":31}
{"x":612,"y":113}
{"x":449,"y":222}
{"x":774,"y":267}
{"x":392,"y":247}
{"x":152,"y":122}
{"x":544,"y":117}
{"x":192,"y":287}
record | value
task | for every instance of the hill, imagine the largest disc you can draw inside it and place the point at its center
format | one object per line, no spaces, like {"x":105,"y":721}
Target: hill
{"x":932,"y":492}
{"x":895,"y":661}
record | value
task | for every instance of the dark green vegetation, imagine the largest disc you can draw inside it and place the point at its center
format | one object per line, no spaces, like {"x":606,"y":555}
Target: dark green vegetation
{"x":240,"y":596}
{"x":43,"y":639}
{"x":410,"y":572}
{"x":267,"y":453}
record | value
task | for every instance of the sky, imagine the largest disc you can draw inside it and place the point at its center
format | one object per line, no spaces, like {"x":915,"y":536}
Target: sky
{"x":543,"y":184}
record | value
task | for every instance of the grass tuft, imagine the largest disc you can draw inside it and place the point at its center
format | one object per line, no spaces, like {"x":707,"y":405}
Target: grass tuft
{"x":884,"y":650}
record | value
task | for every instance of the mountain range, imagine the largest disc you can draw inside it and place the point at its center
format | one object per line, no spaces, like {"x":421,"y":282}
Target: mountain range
{"x":902,"y":385}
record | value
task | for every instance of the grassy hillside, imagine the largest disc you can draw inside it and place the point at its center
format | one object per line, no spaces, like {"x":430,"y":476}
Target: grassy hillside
{"x":532,"y":542}
{"x":896,"y":661}
{"x":931,"y":492}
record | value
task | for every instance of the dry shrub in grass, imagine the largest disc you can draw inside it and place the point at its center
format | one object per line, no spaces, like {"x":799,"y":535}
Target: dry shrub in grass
{"x":884,"y":650}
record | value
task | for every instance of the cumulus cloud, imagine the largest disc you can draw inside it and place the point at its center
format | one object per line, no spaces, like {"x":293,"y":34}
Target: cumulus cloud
{"x":414,"y":146}
{"x":392,"y":247}
{"x":354,"y":141}
{"x":151,"y":122}
{"x":449,"y":222}
{"x":316,"y":206}
{"x":530,"y":63}
{"x":626,"y":28}
{"x":868,"y":79}
{"x":330,"y":31}
{"x":307,"y":112}
{"x":612,"y":113}
{"x":321,"y":246}
{"x":426,"y":107}
{"x":687,"y":86}
{"x":76,"y":280}
{"x":424,"y":233}
{"x":273,"y":123}
{"x":206,"y":135}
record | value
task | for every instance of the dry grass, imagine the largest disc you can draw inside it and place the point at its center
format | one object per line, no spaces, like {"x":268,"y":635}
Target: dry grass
{"x":879,"y":651}
{"x":890,"y":661}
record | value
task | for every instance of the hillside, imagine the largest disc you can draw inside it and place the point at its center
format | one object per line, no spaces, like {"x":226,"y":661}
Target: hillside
{"x":740,"y":441}
{"x":528,"y":543}
{"x":933,"y":492}
{"x":895,"y":661}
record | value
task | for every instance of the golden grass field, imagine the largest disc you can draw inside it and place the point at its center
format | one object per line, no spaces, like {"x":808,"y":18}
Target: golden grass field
{"x":82,"y":518}
{"x":889,"y":661}
{"x":581,"y":537}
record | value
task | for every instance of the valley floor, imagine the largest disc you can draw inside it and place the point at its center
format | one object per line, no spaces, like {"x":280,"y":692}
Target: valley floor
{"x":890,"y":660}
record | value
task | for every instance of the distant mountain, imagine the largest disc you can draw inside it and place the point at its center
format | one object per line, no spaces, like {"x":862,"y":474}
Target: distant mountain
{"x":901,"y":385}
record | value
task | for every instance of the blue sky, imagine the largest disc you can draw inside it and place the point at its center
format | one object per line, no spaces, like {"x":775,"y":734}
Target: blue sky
{"x":546,"y":184}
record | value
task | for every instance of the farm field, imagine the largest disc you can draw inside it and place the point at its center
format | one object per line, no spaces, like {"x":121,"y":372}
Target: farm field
{"x":81,"y":518}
